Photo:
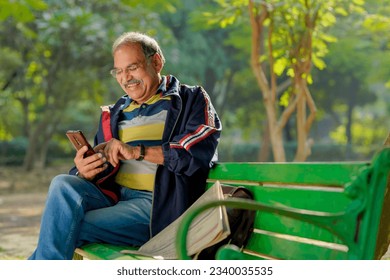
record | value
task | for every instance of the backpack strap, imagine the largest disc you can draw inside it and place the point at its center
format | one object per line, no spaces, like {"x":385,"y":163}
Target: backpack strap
{"x":244,"y":227}
{"x":244,"y":230}
{"x":240,"y":221}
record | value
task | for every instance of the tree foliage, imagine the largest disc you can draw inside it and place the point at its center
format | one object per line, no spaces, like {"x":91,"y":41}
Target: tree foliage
{"x":56,"y":55}
{"x":61,"y":56}
{"x":287,"y":38}
{"x":356,"y":76}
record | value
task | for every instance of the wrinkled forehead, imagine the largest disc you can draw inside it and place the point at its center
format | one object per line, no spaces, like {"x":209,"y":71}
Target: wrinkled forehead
{"x":128,"y":54}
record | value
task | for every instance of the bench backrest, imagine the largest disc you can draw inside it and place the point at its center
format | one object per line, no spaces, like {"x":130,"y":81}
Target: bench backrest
{"x":315,"y":210}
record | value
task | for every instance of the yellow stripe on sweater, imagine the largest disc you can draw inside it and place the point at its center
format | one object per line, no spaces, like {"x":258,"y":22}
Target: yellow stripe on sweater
{"x":142,"y":132}
{"x":144,"y":182}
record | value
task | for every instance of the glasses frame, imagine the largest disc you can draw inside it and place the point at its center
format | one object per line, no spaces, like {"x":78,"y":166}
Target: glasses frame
{"x":131,"y":68}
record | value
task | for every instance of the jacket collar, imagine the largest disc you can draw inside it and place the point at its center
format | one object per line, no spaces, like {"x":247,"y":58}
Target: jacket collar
{"x":168,"y":86}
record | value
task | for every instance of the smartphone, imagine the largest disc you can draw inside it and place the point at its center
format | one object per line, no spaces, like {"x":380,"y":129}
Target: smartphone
{"x":78,"y":140}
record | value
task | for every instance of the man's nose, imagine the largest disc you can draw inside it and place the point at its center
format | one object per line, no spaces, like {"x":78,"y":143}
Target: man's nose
{"x":125,"y":76}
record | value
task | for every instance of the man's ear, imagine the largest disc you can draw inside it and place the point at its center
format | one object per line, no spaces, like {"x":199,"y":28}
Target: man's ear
{"x":157,"y":62}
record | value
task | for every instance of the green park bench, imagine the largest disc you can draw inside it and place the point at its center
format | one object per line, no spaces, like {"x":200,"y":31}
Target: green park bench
{"x":311,"y":210}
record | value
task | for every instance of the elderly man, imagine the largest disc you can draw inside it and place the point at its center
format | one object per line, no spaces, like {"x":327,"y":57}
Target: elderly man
{"x":154,"y":147}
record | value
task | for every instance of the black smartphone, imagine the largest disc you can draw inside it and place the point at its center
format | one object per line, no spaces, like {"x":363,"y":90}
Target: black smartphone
{"x":78,"y":140}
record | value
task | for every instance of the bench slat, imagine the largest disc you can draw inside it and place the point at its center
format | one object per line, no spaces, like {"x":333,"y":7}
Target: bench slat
{"x":287,"y":225}
{"x":291,"y":247}
{"x":304,"y":198}
{"x":328,"y":174}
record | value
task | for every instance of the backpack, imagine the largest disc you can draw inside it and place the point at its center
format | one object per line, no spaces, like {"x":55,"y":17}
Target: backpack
{"x":240,"y":221}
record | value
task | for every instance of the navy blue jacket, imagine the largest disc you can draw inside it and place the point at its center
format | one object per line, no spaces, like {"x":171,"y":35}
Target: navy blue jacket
{"x":190,"y":139}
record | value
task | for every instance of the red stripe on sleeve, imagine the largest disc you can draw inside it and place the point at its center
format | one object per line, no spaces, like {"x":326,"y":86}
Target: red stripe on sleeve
{"x":106,"y":125}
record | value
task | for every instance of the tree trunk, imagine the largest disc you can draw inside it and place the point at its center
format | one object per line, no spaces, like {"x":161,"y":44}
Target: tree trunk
{"x":304,"y":122}
{"x":268,"y":90}
{"x":265,"y":147}
{"x":300,"y":56}
{"x":35,"y":142}
{"x":29,"y":158}
{"x":47,"y":136}
{"x":277,"y":145}
{"x":348,"y":128}
{"x":300,"y":154}
{"x":276,"y":134}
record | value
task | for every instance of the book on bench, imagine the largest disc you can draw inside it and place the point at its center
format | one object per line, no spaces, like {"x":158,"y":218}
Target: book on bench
{"x":207,"y":229}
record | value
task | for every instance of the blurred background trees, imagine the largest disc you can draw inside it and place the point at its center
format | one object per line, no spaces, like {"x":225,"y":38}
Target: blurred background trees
{"x":55,"y":57}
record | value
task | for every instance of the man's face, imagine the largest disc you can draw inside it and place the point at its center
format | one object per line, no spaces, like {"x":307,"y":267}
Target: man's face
{"x":138,"y":76}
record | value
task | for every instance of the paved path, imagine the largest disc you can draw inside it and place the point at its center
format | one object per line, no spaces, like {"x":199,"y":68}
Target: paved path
{"x":20,"y":216}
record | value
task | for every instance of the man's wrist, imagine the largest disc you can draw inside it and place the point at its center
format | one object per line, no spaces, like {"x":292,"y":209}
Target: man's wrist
{"x":141,"y":152}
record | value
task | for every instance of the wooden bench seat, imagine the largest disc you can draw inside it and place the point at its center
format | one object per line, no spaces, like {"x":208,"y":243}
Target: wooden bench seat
{"x":327,"y":210}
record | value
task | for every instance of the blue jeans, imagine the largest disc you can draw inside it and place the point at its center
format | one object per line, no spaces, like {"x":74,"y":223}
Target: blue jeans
{"x":77,"y":213}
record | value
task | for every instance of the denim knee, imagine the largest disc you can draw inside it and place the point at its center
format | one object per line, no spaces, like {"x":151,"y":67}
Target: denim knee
{"x":77,"y":189}
{"x":61,"y":182}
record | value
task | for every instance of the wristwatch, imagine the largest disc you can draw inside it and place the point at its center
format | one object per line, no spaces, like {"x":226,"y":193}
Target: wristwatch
{"x":141,"y":152}
{"x":79,"y":175}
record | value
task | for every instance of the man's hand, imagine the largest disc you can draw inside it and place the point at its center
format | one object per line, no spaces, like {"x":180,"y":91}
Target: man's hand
{"x":90,"y":166}
{"x":116,"y":151}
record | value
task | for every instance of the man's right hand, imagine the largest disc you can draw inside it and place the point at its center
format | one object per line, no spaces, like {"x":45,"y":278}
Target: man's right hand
{"x":90,"y":166}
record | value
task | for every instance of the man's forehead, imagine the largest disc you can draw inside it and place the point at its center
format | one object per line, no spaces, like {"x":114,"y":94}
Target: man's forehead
{"x":130,"y":48}
{"x":128,"y":54}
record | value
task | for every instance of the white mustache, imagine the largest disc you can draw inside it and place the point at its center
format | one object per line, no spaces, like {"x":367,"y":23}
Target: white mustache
{"x":130,"y":82}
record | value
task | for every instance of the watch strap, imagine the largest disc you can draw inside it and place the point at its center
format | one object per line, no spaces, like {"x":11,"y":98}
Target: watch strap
{"x":141,"y":152}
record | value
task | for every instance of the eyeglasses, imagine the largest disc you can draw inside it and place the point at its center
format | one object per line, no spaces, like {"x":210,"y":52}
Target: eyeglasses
{"x":131,"y":68}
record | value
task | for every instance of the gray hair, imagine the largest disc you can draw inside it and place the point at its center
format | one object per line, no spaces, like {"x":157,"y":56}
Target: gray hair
{"x":148,"y":44}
